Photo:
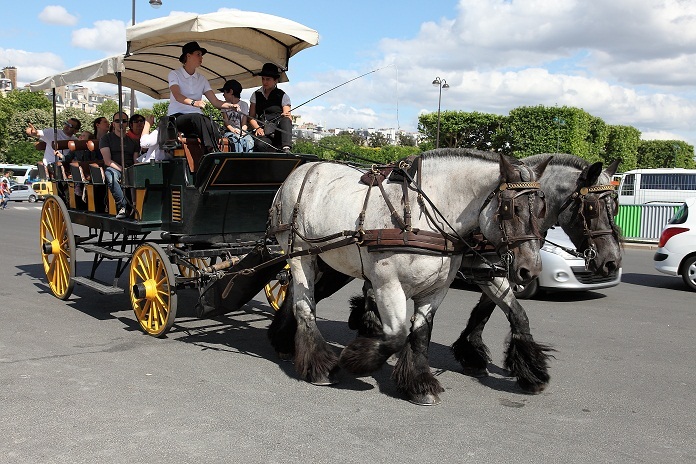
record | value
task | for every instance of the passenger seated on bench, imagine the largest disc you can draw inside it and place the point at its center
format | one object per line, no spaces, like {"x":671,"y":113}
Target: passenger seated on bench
{"x":148,"y":140}
{"x":49,"y":134}
{"x":235,"y":120}
{"x":110,"y":148}
{"x":269,"y":113}
{"x":185,"y":101}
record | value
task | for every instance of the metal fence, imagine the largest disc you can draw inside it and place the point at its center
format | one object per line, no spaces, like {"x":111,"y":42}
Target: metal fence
{"x":644,"y":222}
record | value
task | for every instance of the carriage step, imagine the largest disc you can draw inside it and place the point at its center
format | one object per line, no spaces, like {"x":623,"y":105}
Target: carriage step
{"x":98,"y":286}
{"x":104,"y":251}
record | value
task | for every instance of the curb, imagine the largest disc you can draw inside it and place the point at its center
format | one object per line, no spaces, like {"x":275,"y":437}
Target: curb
{"x":640,"y":245}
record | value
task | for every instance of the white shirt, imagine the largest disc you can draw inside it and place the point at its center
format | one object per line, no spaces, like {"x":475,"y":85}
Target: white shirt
{"x":154,"y":152}
{"x":47,"y":136}
{"x":191,"y":85}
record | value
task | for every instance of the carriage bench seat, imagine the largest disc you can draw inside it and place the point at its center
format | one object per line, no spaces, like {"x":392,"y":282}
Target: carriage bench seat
{"x":193,"y":151}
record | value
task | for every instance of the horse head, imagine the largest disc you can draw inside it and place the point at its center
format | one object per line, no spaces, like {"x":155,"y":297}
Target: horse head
{"x":511,"y":220}
{"x":588,"y":219}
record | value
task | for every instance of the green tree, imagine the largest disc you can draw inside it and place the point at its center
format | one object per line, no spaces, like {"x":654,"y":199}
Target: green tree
{"x":622,"y":144}
{"x":665,"y":154}
{"x":79,"y":114}
{"x":11,"y":104}
{"x":159,"y":110}
{"x":377,"y":140}
{"x":356,"y":138}
{"x":459,"y":129}
{"x":106,"y":109}
{"x":24,"y":153}
{"x":540,"y":129}
{"x":405,"y":140}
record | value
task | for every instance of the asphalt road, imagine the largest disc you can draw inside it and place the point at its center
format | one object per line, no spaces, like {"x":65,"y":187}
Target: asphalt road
{"x":79,"y":382}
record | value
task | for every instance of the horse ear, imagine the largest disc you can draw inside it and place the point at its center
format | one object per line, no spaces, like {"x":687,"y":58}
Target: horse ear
{"x":506,"y":170}
{"x":591,"y":173}
{"x":611,"y":169}
{"x":541,"y":167}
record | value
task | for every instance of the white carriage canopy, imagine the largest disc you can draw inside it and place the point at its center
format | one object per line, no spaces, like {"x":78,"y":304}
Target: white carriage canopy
{"x":238,"y":44}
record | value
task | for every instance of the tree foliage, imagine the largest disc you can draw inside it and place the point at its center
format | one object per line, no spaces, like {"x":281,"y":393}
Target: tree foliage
{"x":342,"y":147}
{"x":106,"y":109}
{"x":459,"y":129}
{"x":665,"y":154}
{"x":622,"y":143}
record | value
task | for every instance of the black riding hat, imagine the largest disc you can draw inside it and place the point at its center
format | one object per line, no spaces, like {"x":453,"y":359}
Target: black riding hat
{"x":190,"y":48}
{"x":270,"y":70}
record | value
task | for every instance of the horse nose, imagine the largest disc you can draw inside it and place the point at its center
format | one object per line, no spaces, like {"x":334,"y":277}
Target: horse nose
{"x":524,"y":275}
{"x":610,"y":267}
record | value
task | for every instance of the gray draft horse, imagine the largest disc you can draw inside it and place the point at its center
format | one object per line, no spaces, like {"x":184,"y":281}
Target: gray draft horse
{"x":320,"y":202}
{"x":579,"y":197}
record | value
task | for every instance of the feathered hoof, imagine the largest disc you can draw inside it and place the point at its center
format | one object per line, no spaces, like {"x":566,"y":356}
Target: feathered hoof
{"x":477,"y":372}
{"x":531,"y":387}
{"x":424,"y":399}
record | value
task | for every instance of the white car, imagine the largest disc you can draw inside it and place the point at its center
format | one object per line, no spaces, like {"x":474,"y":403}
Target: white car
{"x":676,"y":252}
{"x":563,"y":271}
{"x":560,"y":270}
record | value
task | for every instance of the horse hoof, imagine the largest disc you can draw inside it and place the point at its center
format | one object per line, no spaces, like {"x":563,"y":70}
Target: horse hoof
{"x":532,"y":388}
{"x":478,"y":372}
{"x":285,"y":356}
{"x":426,"y":399}
{"x":325,"y":382}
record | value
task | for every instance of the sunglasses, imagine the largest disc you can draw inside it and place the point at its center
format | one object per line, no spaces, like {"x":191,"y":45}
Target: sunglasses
{"x":121,"y":121}
{"x":68,"y":124}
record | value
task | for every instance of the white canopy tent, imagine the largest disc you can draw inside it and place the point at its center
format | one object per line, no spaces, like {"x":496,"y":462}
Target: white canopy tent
{"x":238,"y":44}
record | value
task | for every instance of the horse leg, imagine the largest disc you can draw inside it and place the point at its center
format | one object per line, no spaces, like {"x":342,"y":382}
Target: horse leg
{"x":315,"y":361}
{"x":282,"y":330}
{"x":525,"y":359}
{"x":368,"y":352}
{"x":412,"y":372}
{"x":469,"y":349}
{"x":364,"y":315}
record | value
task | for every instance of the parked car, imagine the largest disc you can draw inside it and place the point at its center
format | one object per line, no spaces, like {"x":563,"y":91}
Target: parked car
{"x":22,"y":192}
{"x":676,"y":252}
{"x":560,"y":270}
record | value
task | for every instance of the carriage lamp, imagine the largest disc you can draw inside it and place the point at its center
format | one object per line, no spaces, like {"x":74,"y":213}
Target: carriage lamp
{"x":443,"y":85}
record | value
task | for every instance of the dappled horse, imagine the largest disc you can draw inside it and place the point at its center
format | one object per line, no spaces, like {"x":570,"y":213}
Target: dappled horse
{"x":323,"y":208}
{"x":579,"y":197}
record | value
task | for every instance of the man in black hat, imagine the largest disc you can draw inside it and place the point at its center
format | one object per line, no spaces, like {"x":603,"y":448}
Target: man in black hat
{"x":187,"y":88}
{"x":269,"y":113}
{"x":235,"y":120}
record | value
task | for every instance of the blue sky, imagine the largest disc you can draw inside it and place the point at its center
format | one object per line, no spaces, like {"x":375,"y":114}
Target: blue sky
{"x":629,"y":62}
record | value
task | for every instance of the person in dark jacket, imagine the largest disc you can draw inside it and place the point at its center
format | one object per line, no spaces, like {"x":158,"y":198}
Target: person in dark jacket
{"x":269,"y":113}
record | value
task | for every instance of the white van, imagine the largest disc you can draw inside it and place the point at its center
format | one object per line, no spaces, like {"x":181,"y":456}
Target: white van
{"x":645,"y":186}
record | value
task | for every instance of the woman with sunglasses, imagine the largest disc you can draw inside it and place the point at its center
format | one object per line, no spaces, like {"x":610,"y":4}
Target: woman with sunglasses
{"x":110,"y":148}
{"x":49,"y":134}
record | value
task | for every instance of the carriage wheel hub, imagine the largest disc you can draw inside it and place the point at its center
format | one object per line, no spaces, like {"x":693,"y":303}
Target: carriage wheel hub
{"x":146,"y":289}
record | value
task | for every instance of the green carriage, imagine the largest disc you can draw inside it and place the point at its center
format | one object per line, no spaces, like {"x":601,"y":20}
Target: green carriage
{"x":195,"y":216}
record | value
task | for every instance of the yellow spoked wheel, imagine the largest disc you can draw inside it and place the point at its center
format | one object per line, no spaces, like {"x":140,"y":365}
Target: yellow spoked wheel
{"x":57,"y":247}
{"x":277,"y":290}
{"x":199,"y":263}
{"x":152,"y":289}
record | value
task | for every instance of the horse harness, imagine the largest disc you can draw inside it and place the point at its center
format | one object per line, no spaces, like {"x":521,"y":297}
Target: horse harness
{"x":406,"y":236}
{"x":588,"y":199}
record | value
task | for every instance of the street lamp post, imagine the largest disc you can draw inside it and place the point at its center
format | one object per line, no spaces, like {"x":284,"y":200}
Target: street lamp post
{"x":154,"y":4}
{"x":442,"y":84}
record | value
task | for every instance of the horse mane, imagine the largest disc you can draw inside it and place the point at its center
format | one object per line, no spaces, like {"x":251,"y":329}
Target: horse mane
{"x":489,"y":156}
{"x":559,"y":159}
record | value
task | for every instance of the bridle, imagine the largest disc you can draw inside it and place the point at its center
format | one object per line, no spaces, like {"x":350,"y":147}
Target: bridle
{"x":589,"y":201}
{"x":507,"y":193}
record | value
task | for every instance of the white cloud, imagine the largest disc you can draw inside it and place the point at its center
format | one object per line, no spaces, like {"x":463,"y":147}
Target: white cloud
{"x":108,"y":36}
{"x":54,"y":14}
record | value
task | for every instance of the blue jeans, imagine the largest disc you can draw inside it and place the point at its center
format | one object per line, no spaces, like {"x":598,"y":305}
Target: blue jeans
{"x":241,"y":144}
{"x":113,"y":181}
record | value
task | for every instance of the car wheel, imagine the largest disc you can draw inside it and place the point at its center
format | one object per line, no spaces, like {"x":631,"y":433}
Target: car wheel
{"x":689,"y":272}
{"x":32,"y":198}
{"x":524,"y":292}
